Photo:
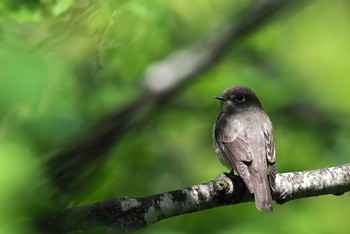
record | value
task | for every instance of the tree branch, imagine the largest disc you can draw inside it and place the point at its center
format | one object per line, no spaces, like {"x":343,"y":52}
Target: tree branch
{"x":125,"y":214}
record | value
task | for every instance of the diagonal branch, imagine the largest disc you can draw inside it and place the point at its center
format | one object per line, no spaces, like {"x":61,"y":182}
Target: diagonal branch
{"x":187,"y":63}
{"x":125,"y":214}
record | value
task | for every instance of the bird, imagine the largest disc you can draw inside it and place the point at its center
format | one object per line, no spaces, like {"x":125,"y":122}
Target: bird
{"x":243,"y":142}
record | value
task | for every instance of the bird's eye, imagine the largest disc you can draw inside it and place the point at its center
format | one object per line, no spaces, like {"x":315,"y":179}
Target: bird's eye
{"x":239,"y":98}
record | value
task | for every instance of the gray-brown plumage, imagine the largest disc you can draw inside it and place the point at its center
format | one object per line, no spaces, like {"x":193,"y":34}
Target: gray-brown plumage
{"x":243,"y":141}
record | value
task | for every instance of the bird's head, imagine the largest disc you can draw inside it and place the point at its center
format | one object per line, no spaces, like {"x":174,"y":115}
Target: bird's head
{"x":238,"y":98}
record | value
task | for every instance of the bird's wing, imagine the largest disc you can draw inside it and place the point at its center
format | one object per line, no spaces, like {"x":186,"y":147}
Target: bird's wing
{"x":270,"y":147}
{"x":237,"y":151}
{"x":234,"y":139}
{"x":240,"y":149}
{"x":239,"y":155}
{"x":271,"y":157}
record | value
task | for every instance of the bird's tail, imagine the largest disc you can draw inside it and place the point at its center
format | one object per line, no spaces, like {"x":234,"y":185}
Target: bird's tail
{"x":262,"y":192}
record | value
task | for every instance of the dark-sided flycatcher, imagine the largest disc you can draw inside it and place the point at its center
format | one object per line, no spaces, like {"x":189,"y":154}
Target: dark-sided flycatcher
{"x":243,"y":141}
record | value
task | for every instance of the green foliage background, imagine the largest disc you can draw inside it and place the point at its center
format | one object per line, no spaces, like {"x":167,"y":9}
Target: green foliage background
{"x":65,"y":64}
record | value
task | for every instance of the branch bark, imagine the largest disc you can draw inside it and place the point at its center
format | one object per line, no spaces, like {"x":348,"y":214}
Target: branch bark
{"x":125,"y":214}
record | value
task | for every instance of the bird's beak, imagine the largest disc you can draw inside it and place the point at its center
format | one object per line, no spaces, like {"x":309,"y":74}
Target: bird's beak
{"x":219,"y":98}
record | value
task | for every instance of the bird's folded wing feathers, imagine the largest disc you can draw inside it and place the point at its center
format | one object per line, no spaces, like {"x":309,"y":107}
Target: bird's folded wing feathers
{"x":271,"y":158}
{"x":239,"y":155}
{"x":270,"y":147}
